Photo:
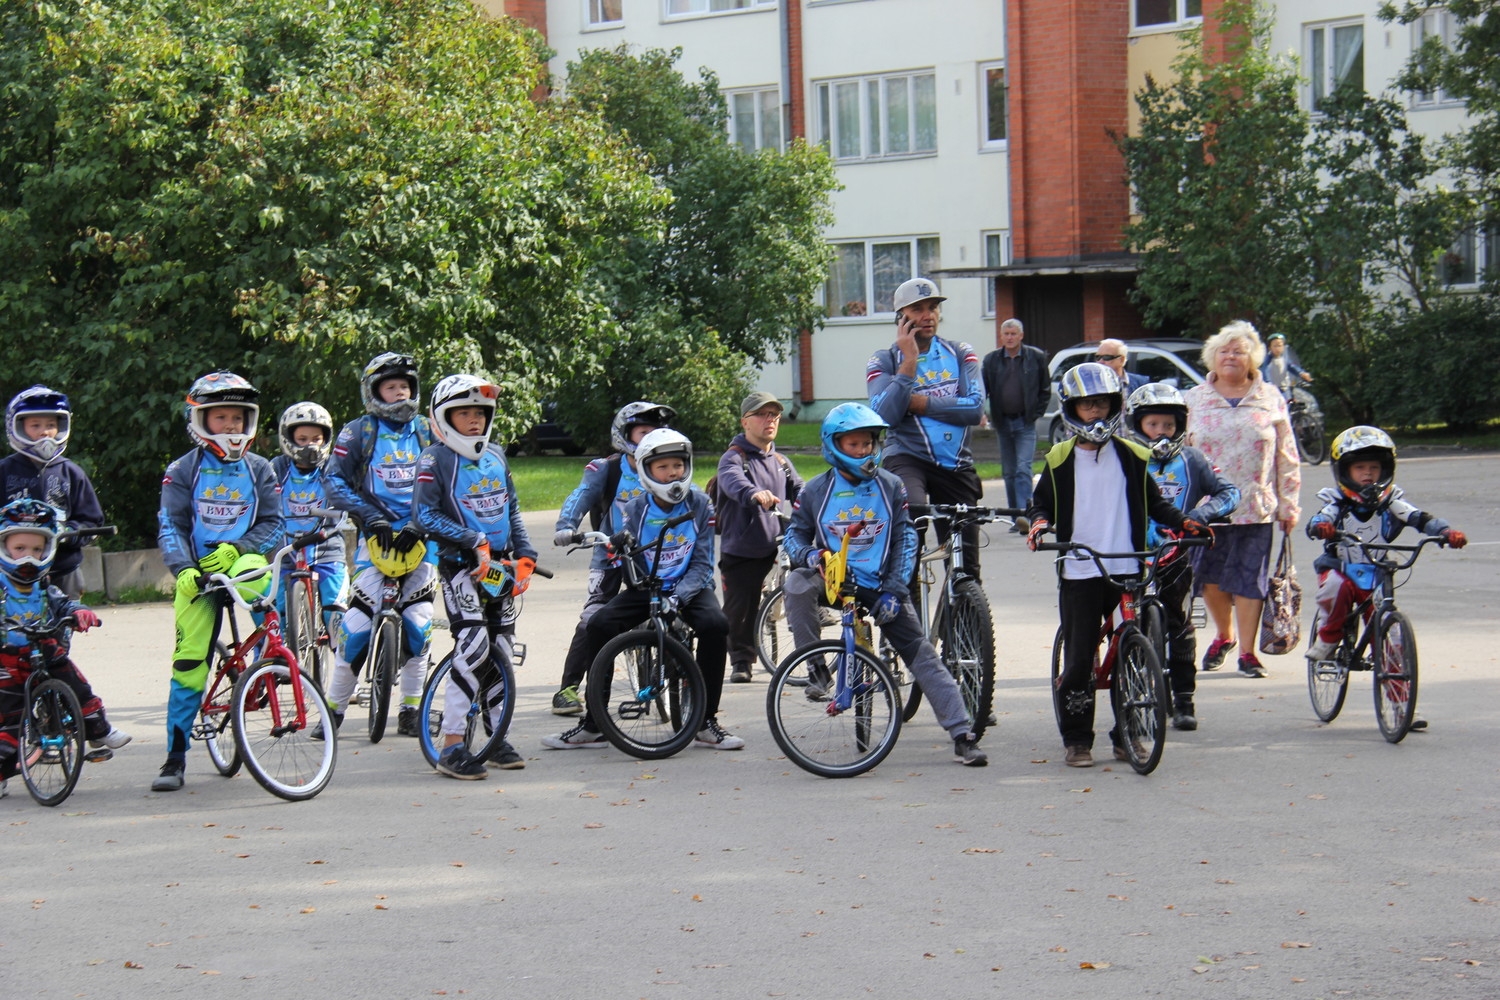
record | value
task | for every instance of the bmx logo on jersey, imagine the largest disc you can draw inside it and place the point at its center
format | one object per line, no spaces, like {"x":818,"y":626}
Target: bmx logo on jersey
{"x":300,"y":503}
{"x":221,"y":507}
{"x":486,"y":498}
{"x":868,"y":535}
{"x":397,"y":469}
{"x":675,"y":551}
{"x":1171,"y":489}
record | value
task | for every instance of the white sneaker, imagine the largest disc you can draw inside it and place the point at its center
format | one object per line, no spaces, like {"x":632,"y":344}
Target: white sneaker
{"x":114,"y":739}
{"x":713,"y":737}
{"x":577,"y":738}
{"x":1320,"y":650}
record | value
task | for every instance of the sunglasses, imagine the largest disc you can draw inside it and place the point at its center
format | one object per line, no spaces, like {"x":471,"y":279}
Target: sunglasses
{"x":1108,"y":357}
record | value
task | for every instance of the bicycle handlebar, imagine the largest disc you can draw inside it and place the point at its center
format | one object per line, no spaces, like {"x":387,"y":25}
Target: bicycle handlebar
{"x":103,"y":531}
{"x":33,"y":629}
{"x":1098,"y":557}
{"x":963,"y":512}
{"x":1395,"y":565}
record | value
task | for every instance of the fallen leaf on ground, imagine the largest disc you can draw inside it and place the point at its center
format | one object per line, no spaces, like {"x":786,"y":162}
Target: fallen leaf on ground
{"x":1296,"y":944}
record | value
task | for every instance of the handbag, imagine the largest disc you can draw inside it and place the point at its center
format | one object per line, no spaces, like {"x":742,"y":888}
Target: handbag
{"x":1281,"y":618}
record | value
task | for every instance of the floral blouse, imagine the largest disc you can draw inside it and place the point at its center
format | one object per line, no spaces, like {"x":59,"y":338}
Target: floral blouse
{"x":1252,"y":444}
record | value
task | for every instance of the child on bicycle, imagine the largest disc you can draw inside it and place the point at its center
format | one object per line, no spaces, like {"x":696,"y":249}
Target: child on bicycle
{"x":306,"y":433}
{"x":686,"y":569}
{"x":219,"y":514}
{"x":1366,"y":502}
{"x":1095,"y":489}
{"x":466,"y":501}
{"x":608,"y":484}
{"x":371,"y":476}
{"x":1158,"y":415}
{"x":28,"y":543}
{"x":882,"y":558}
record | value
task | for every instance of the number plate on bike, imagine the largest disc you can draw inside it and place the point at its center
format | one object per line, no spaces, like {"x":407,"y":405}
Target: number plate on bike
{"x":495,"y":579}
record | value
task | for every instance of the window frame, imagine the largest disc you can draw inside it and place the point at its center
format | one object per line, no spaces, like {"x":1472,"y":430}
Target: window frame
{"x":924,"y":255}
{"x":1484,"y":253}
{"x":1003,"y":238}
{"x":747,"y":7}
{"x":1182,"y":20}
{"x":1330,"y":84}
{"x":987,"y":144}
{"x":874,"y":91}
{"x":589,"y":24}
{"x":760,"y":114}
{"x":1419,"y":34}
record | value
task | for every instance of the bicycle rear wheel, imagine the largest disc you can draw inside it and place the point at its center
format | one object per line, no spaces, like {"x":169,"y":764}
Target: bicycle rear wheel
{"x":1308,"y":431}
{"x":1396,"y":677}
{"x":1139,"y":693}
{"x":274,"y":739}
{"x":1057,"y":671}
{"x":968,"y":651}
{"x":483,"y":731}
{"x":849,"y":731}
{"x":773,"y":636}
{"x":384,"y":653}
{"x":1328,"y":680}
{"x":303,"y":618}
{"x":646,"y":694}
{"x":214,"y":716}
{"x":51,"y":748}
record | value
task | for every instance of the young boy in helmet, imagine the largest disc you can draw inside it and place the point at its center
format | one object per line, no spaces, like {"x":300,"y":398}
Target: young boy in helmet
{"x":37,"y":424}
{"x":1158,"y":416}
{"x":28,"y":543}
{"x":466,"y":502}
{"x":881,"y":560}
{"x":1367,"y":503}
{"x":306,"y":434}
{"x":665,"y":460}
{"x":608,"y":484}
{"x":1096,"y":489}
{"x":219,"y":514}
{"x":371,"y":475}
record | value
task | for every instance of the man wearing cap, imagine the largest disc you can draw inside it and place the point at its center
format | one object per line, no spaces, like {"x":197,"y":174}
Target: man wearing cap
{"x":754,"y":480}
{"x":1113,"y":354}
{"x":1018,"y":386}
{"x":930,"y":391}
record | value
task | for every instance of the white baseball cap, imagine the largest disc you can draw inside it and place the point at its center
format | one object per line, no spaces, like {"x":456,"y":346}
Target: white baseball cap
{"x":916,"y":290}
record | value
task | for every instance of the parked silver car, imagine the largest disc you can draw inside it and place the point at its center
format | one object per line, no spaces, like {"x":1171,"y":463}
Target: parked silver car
{"x":1174,"y":360}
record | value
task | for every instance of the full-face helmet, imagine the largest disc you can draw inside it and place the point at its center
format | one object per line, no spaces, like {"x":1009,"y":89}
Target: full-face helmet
{"x":1161,"y":399}
{"x":31,"y":516}
{"x":463,"y":390}
{"x":843,"y":419}
{"x":305,"y":414}
{"x":1091,"y":379}
{"x":1364,"y":443}
{"x":222,"y":389}
{"x":38,"y":401}
{"x":638,"y":414}
{"x":380,"y":368}
{"x":665,"y":443}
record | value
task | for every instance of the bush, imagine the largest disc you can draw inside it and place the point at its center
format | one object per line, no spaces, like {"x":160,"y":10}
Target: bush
{"x":1439,"y":366}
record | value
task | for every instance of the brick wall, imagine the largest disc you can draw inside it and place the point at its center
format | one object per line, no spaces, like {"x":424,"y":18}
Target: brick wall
{"x":533,"y":13}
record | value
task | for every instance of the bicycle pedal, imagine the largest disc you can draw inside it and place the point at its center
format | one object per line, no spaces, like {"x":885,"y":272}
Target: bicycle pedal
{"x":517,"y":653}
{"x":99,"y":756}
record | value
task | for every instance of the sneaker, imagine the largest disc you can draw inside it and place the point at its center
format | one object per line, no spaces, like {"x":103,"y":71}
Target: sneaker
{"x":114,"y":740}
{"x":317,"y":731}
{"x":966,"y":751}
{"x":170,"y":778}
{"x":1121,"y":754}
{"x":1250,"y":666}
{"x":505,"y":757}
{"x":1217,"y":650}
{"x":818,"y":680}
{"x":577,"y":738}
{"x":1182,"y":715}
{"x":1078,"y":756}
{"x":714,"y":737}
{"x":1418,"y":724}
{"x":406,"y":722}
{"x":567,"y":702}
{"x":740,"y":675}
{"x":456,"y":762}
{"x":1320,"y":650}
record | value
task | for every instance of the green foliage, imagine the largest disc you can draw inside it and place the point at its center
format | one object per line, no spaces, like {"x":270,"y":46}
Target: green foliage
{"x":1439,"y":365}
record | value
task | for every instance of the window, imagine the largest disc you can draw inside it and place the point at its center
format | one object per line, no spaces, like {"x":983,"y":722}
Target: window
{"x":604,"y":12}
{"x":678,"y":8}
{"x":996,"y":254}
{"x":878,"y":116}
{"x":1473,"y":258}
{"x":755,"y":118}
{"x":1156,"y":13}
{"x":992,"y":106}
{"x":866,"y":273}
{"x":1335,"y":60}
{"x":1433,"y":24}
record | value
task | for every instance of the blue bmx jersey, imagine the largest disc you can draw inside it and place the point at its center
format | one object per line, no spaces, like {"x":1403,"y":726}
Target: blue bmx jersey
{"x":459,"y":500}
{"x":301,"y":492}
{"x":374,"y":468}
{"x":33,"y":605}
{"x":847,"y":504}
{"x":687,"y":555}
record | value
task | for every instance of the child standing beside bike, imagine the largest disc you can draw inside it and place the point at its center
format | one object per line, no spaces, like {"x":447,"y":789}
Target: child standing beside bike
{"x":466,"y":502}
{"x":1095,"y":489}
{"x":881,"y":559}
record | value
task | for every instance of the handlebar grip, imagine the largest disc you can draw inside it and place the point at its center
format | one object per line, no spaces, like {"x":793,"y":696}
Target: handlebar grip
{"x":1054,"y":547}
{"x":920,"y":509}
{"x":542,"y":571}
{"x":673,"y":522}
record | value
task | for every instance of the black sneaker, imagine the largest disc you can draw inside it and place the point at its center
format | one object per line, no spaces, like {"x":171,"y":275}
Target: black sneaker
{"x":1217,"y":650}
{"x":406,"y":722}
{"x":317,"y":731}
{"x":966,"y":751}
{"x":170,"y":778}
{"x":1182,"y":715}
{"x":740,"y":675}
{"x":456,"y":762}
{"x":505,"y":757}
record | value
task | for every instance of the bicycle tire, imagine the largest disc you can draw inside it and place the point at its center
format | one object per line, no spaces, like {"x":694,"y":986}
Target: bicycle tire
{"x":666,"y":720}
{"x":1310,"y":439}
{"x":1138,"y":692}
{"x":51,"y":750}
{"x":214,"y":717}
{"x":1328,"y":680}
{"x":481,"y":736}
{"x":814,"y":734}
{"x":773,"y":637}
{"x":278,"y":752}
{"x":1153,"y":626}
{"x":1057,"y":671}
{"x":968,"y":651}
{"x":385,"y":647}
{"x":303,"y":617}
{"x":1396,"y":677}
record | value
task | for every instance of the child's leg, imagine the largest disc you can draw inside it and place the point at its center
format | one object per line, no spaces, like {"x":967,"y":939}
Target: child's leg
{"x":625,"y":611}
{"x":1082,"y":607}
{"x":198,"y":622}
{"x":353,"y":636}
{"x":1336,"y":595}
{"x":604,"y":584}
{"x":95,"y":725}
{"x":908,"y":639}
{"x":801,"y":596}
{"x":471,"y":647}
{"x":417,"y":591}
{"x":333,"y":588}
{"x":1176,"y":592}
{"x":707,"y":619}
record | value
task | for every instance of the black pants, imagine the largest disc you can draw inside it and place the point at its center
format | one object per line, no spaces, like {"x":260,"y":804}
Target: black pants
{"x":1176,"y":592}
{"x":1082,"y":605}
{"x":603,"y":585}
{"x":927,"y":483}
{"x":629,"y":608}
{"x":743,"y":577}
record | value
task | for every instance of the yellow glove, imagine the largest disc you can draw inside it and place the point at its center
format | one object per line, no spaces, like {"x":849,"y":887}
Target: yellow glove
{"x":190,"y":582}
{"x":220,"y":559}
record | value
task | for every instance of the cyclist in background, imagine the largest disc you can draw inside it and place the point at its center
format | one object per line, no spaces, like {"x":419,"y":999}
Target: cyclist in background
{"x":306,"y":434}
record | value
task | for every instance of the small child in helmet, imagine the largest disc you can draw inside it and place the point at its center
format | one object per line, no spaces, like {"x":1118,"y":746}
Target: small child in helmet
{"x":882,"y":558}
{"x":306,"y":434}
{"x":28,"y":543}
{"x":465,"y":501}
{"x":1365,"y":502}
{"x":219,"y":514}
{"x":665,"y":463}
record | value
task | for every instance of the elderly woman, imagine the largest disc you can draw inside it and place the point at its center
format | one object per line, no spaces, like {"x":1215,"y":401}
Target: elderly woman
{"x":1240,"y":422}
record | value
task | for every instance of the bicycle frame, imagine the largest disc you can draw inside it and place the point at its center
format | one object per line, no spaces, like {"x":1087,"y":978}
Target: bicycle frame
{"x":1381,"y":601}
{"x":952,"y":518}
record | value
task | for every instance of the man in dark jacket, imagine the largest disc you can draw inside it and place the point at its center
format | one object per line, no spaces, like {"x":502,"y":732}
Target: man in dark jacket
{"x":754,"y":481}
{"x":1017,"y":385}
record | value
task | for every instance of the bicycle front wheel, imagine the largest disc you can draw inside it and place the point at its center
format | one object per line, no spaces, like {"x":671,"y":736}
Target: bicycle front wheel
{"x":489,"y":713}
{"x":303,"y":617}
{"x":1057,"y":672}
{"x":646,"y":694}
{"x":214,"y":716}
{"x":384,"y":653}
{"x":274,"y":718}
{"x":1396,"y":677}
{"x":969,"y":651}
{"x":1139,"y":693}
{"x":51,"y":748}
{"x":1309,"y":434}
{"x":1328,"y":680}
{"x":850,"y":728}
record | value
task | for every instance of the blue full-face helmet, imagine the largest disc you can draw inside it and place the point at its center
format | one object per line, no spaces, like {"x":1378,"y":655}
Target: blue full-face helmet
{"x":1091,"y":379}
{"x":842,"y":419}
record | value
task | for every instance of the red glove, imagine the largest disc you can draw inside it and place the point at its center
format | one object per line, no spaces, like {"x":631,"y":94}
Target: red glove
{"x":1454,"y":538}
{"x":1197,"y":529}
{"x":1038,"y":528}
{"x":87,"y":619}
{"x":1325,"y":530}
{"x":523,"y":568}
{"x":482,"y":555}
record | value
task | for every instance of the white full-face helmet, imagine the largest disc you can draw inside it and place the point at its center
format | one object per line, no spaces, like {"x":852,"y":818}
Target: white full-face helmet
{"x":663,"y":443}
{"x":305,"y":414}
{"x":463,"y":390}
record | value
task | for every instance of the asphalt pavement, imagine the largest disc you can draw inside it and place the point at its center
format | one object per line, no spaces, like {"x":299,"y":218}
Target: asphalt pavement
{"x":1268,"y":855}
